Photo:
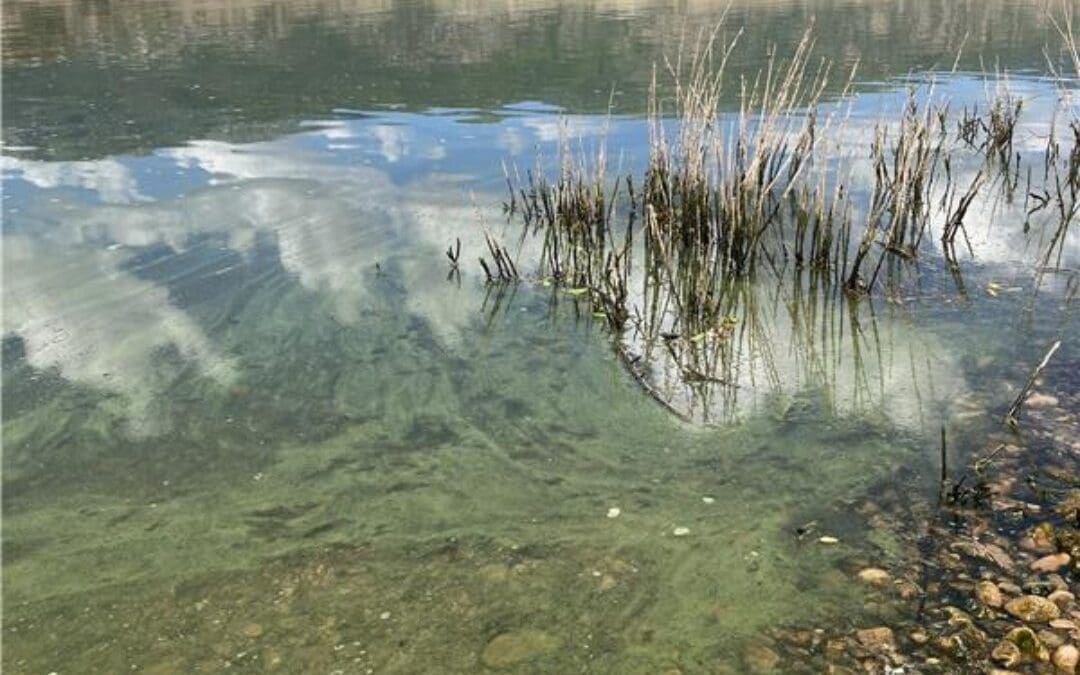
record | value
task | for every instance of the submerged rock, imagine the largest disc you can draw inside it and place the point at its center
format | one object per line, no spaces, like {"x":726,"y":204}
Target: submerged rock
{"x":1066,"y":658}
{"x":507,"y":649}
{"x":1063,"y":599}
{"x":1033,"y":608}
{"x":1051,"y":563}
{"x":989,"y":594}
{"x":880,"y":638}
{"x":874,"y":576}
{"x":1007,"y":654}
{"x":760,"y":658}
{"x":1031,"y":648}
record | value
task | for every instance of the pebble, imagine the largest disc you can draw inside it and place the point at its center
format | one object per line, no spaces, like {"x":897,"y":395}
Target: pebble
{"x":1062,"y":624}
{"x":384,"y":616}
{"x":252,"y":630}
{"x":828,"y":541}
{"x":1007,"y":654}
{"x":989,"y":594}
{"x":1063,"y":599}
{"x":874,"y":576}
{"x":614,"y":512}
{"x":1029,"y":644}
{"x":1010,"y":588}
{"x":708,"y":500}
{"x":681,"y":531}
{"x":1066,"y":658}
{"x":876,"y":638}
{"x":1032,"y":608}
{"x":1051,"y":563}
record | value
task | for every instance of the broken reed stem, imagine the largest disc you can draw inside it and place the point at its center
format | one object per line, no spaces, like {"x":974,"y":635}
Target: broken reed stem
{"x":1012,"y":417}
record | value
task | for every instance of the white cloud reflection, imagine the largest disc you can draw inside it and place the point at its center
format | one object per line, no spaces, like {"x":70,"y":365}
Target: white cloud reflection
{"x":333,"y":218}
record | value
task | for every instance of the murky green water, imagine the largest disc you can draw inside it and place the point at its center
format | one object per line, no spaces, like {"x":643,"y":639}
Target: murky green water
{"x":250,"y":422}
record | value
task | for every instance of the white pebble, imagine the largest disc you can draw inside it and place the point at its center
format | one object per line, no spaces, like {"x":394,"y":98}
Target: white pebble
{"x":708,"y":500}
{"x":614,"y":512}
{"x":681,"y":531}
{"x":384,"y":616}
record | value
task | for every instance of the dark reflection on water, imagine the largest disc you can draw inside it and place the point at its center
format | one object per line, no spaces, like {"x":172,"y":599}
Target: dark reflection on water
{"x":90,"y":79}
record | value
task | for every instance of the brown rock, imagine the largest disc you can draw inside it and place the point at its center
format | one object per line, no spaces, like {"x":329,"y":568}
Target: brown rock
{"x":907,"y":589}
{"x":1033,"y":609}
{"x":760,"y":658}
{"x":514,"y":647}
{"x":880,"y":638}
{"x":874,"y":576}
{"x":1062,"y":624}
{"x":1066,"y":658}
{"x":1010,"y":588}
{"x":1028,"y":643}
{"x":1007,"y":654}
{"x":1063,"y":599}
{"x":1051,"y":563}
{"x":989,"y":594}
{"x":252,"y":630}
{"x":1051,"y":639}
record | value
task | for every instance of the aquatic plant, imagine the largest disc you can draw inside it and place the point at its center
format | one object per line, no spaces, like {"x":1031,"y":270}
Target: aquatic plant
{"x":670,"y":261}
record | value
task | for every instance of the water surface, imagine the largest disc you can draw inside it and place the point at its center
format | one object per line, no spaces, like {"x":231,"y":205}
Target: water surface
{"x":251,"y":422}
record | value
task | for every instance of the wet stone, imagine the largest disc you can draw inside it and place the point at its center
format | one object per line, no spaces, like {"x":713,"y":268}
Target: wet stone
{"x":1051,"y":563}
{"x":1063,"y":599}
{"x":514,"y":647}
{"x":880,"y":638}
{"x":1031,"y":648}
{"x":987,"y":593}
{"x":1066,"y":658}
{"x":1007,"y":654}
{"x":1033,"y":609}
{"x":874,"y":576}
{"x":760,"y":658}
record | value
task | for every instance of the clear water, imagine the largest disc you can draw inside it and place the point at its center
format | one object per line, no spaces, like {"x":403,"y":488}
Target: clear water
{"x":250,"y":422}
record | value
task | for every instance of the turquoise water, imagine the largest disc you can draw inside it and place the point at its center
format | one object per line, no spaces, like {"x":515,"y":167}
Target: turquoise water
{"x":250,"y":422}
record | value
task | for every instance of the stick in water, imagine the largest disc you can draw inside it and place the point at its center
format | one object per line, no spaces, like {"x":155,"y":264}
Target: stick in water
{"x":1014,"y":410}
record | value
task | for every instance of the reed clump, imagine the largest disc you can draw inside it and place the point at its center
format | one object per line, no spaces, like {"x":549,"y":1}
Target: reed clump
{"x":771,"y":187}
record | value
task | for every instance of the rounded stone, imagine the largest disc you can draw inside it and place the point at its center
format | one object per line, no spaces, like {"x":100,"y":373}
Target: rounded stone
{"x":1007,"y":654}
{"x":1066,"y":658}
{"x":880,"y":638}
{"x":987,"y":593}
{"x":1029,"y":644}
{"x":874,"y":576}
{"x":760,"y":658}
{"x":1063,"y":599}
{"x":1032,"y":608}
{"x":1051,"y":563}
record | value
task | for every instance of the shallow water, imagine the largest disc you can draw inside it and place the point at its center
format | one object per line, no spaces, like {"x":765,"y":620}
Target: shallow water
{"x":250,"y":422}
